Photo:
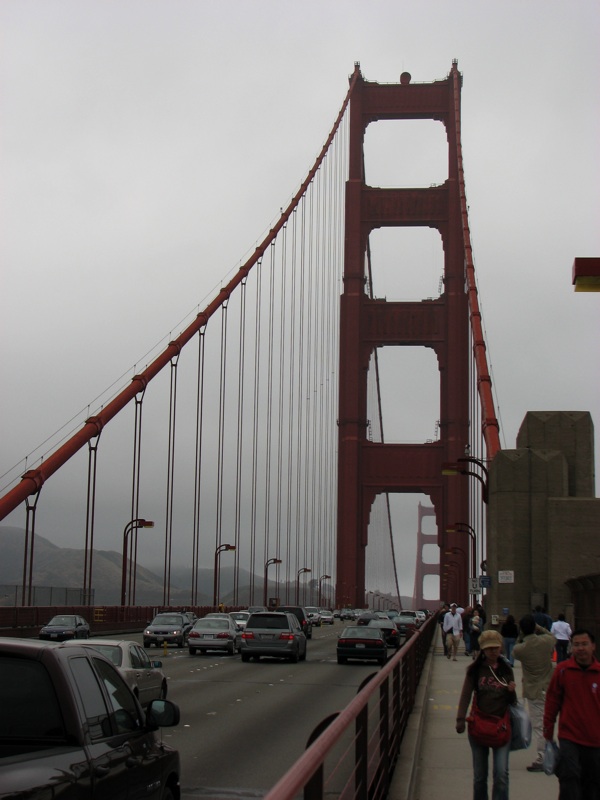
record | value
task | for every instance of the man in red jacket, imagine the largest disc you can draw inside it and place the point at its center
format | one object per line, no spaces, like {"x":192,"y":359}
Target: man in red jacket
{"x":574,"y":692}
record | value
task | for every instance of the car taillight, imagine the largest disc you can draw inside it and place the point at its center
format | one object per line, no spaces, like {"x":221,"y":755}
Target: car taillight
{"x":286,"y":635}
{"x":194,"y":635}
{"x":223,"y":635}
{"x":247,"y":635}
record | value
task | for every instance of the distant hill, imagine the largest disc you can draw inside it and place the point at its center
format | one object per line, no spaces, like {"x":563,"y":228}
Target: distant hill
{"x":63,"y":567}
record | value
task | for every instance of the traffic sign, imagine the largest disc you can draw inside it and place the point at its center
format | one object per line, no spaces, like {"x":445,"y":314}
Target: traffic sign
{"x":474,"y":585}
{"x":485,"y":581}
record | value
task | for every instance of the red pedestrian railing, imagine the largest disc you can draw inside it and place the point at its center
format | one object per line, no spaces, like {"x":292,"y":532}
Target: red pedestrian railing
{"x":352,"y":754}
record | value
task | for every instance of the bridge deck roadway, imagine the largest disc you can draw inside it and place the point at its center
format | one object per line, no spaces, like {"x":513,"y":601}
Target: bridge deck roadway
{"x":436,"y":761}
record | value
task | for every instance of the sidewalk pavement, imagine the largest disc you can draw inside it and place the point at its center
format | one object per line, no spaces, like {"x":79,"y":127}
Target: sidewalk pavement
{"x":435,"y":761}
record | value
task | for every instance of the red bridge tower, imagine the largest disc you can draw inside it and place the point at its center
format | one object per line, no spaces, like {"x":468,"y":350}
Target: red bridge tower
{"x":367,"y":468}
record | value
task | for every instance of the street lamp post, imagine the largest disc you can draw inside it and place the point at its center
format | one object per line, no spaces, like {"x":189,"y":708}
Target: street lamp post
{"x":132,"y":525}
{"x":321,"y":579}
{"x":267,"y":565}
{"x":464,"y":527}
{"x":451,"y":576}
{"x":458,"y":468}
{"x":455,"y":551}
{"x":300,"y":571}
{"x":220,"y":549}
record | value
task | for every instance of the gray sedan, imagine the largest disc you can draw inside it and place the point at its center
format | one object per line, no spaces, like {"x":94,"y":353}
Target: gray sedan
{"x":214,"y":633}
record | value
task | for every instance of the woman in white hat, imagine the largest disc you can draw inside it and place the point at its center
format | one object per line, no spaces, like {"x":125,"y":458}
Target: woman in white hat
{"x":491,"y":682}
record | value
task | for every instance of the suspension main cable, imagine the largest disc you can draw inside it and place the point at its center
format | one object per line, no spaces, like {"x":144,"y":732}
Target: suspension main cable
{"x":33,"y":480}
{"x":484,"y":383}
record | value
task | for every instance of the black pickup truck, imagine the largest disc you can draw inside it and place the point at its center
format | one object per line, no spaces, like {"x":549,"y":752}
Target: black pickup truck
{"x":71,"y":729}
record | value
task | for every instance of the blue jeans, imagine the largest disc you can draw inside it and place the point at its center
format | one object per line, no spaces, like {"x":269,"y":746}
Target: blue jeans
{"x":562,"y":646}
{"x":467,"y":638}
{"x":480,"y":771}
{"x":509,"y":643}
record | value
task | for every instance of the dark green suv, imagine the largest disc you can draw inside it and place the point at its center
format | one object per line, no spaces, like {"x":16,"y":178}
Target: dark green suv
{"x":302,"y":615}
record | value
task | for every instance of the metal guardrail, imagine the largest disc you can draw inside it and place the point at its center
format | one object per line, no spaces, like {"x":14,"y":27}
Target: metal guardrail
{"x":352,"y":754}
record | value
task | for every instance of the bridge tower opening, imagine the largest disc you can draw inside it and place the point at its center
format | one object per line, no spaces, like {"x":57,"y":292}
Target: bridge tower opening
{"x":367,"y":468}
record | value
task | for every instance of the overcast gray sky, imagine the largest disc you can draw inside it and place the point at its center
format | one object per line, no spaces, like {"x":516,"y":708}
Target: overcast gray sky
{"x":147,"y":145}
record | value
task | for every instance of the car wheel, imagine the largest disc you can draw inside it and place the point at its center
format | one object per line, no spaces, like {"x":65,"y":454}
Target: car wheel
{"x":294,"y":657}
{"x":231,"y":649}
{"x":192,"y":651}
{"x":381,"y":662}
{"x":342,"y":660}
{"x":303,"y":656}
{"x":163,"y":691}
{"x":147,"y":643}
{"x":180,"y":642}
{"x":167,"y":794}
{"x":245,"y":657}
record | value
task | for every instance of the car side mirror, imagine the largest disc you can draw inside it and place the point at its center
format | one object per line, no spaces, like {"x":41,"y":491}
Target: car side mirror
{"x":162,"y":714}
{"x":156,"y":664}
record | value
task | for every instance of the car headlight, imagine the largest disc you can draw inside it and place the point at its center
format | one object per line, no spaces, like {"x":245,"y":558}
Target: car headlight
{"x":147,"y":632}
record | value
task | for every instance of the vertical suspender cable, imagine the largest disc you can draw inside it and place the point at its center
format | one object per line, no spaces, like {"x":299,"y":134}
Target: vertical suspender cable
{"x":318,"y":359}
{"x":293,"y":410}
{"x":170,"y":483}
{"x":269,"y":406}
{"x":255,"y":424}
{"x":198,"y":462}
{"x":283,"y":465}
{"x":308,"y":464}
{"x":221,"y":445}
{"x":135,"y":492}
{"x":300,"y":392}
{"x":239,"y":441}
{"x":89,"y":520}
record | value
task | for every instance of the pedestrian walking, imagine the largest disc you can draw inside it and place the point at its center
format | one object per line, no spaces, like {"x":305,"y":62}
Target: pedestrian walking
{"x":574,"y":693}
{"x":534,"y":650}
{"x":561,"y":630}
{"x":490,"y":682}
{"x":467,"y":616}
{"x":475,"y":633}
{"x":509,"y":632}
{"x":454,"y":630}
{"x":541,"y":618}
{"x":441,"y":618}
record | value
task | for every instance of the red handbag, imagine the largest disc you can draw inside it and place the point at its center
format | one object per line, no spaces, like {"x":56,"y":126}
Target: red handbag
{"x":487,"y":730}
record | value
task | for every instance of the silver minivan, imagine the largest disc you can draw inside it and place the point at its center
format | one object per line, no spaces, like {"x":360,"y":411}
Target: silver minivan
{"x":273,"y":633}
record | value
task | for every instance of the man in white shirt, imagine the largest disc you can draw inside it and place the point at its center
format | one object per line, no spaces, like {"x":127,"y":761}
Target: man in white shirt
{"x":562,"y":631}
{"x":454,"y":630}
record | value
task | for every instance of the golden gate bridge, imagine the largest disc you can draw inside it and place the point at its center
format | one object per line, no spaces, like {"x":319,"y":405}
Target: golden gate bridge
{"x":262,"y":419}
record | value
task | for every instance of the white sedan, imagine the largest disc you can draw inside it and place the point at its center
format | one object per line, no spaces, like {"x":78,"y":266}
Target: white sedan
{"x":145,"y":678}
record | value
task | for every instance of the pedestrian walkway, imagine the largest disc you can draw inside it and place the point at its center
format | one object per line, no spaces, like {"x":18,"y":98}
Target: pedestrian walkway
{"x":435,"y":761}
